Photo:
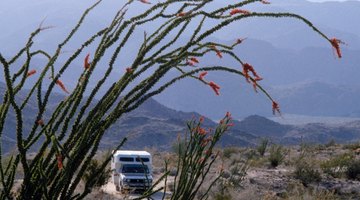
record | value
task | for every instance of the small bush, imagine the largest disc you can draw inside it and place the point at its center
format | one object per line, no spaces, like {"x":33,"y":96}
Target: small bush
{"x":337,"y":166}
{"x":306,"y":173}
{"x":93,"y":168}
{"x":263,"y":146}
{"x":330,"y":143}
{"x":227,"y":152}
{"x":353,"y":170}
{"x":220,"y":196}
{"x":352,"y":146}
{"x":251,"y":154}
{"x":277,"y":155}
{"x":179,"y":148}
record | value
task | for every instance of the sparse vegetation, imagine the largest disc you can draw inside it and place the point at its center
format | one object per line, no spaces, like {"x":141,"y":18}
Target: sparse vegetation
{"x":101,"y":179}
{"x":306,"y":172}
{"x":263,"y":146}
{"x":228,"y":151}
{"x":276,"y":155}
{"x":353,"y":170}
{"x":337,"y":165}
{"x":352,"y":146}
{"x":198,"y":158}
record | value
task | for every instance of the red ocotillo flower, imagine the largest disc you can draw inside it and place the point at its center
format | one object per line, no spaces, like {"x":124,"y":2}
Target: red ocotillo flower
{"x":202,"y":75}
{"x":86,"y":61}
{"x":195,"y":60}
{"x":40,"y":122}
{"x":239,"y":11}
{"x":275,"y":107}
{"x":31,"y":72}
{"x":215,"y":87}
{"x":336,"y":45}
{"x":249,"y":68}
{"x":145,"y":1}
{"x":230,"y":124}
{"x":201,"y":131}
{"x":181,"y":14}
{"x":201,"y":120}
{"x":61,"y":85}
{"x":228,"y":114}
{"x":254,"y":83}
{"x":190,"y":63}
{"x":59,"y":159}
{"x":218,"y":53}
{"x":240,"y":40}
{"x":129,"y":70}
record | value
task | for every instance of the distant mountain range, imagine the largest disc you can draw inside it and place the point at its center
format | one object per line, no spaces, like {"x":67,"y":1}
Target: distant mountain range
{"x":299,"y":68}
{"x":153,"y":125}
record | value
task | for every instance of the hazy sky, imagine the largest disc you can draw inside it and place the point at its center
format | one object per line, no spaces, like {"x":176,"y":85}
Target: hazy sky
{"x":325,"y":0}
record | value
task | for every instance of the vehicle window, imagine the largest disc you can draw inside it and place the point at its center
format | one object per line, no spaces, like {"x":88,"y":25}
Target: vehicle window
{"x":128,"y":168}
{"x":142,"y":159}
{"x":126,"y":159}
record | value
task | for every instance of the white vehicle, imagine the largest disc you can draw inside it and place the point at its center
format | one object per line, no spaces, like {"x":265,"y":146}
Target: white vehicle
{"x":131,"y":170}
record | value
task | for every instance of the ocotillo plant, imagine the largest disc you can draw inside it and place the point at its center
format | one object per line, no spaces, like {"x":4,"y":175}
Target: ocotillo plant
{"x":197,"y":159}
{"x":70,"y":137}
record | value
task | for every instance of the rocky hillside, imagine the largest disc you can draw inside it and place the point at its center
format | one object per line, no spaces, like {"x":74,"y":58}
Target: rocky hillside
{"x":294,"y":134}
{"x":153,"y":125}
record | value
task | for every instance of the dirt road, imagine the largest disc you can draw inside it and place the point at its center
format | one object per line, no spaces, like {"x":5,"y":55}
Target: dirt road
{"x":109,"y":188}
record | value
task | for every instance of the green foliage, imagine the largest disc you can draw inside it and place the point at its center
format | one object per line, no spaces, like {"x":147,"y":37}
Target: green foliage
{"x":199,"y":156}
{"x":251,"y":154}
{"x":330,"y":143}
{"x":353,"y":170}
{"x":262,"y":146}
{"x":338,"y":165}
{"x":277,"y":155}
{"x":219,"y":196}
{"x":101,"y":179}
{"x":179,"y":148}
{"x":305,"y":172}
{"x":227,"y":152}
{"x":352,"y":146}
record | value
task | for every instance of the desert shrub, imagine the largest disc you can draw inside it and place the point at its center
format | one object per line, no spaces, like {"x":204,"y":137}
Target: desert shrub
{"x":237,"y":174}
{"x":179,"y":148}
{"x":198,"y":158}
{"x":250,"y":154}
{"x":299,"y":192}
{"x":337,"y":166}
{"x":219,"y":196}
{"x":227,"y":152}
{"x":277,"y":155}
{"x":262,"y":146}
{"x":353,"y":170}
{"x":101,"y":179}
{"x":305,"y":172}
{"x":352,"y":146}
{"x":330,"y":143}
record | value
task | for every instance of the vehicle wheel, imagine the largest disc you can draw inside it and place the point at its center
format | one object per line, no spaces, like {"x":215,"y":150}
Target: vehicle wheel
{"x":117,"y":188}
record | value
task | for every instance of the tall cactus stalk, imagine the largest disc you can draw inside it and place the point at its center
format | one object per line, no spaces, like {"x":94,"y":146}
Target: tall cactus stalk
{"x":70,"y":137}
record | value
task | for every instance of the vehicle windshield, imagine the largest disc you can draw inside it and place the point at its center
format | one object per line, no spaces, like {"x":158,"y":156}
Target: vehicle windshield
{"x":133,"y":168}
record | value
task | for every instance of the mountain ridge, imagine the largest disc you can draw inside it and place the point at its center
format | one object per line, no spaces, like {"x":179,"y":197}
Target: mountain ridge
{"x":153,"y":125}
